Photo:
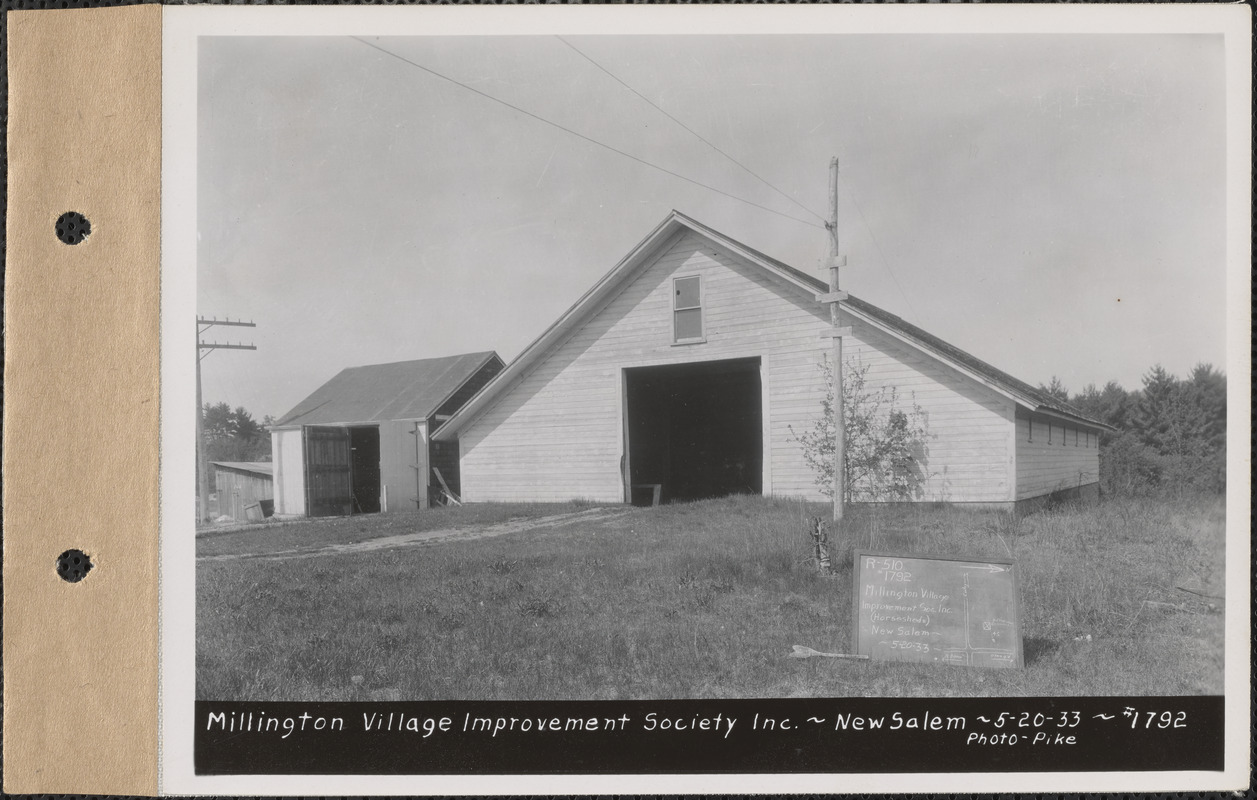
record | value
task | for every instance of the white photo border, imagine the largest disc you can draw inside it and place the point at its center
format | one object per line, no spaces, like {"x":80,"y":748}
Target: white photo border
{"x":182,"y":25}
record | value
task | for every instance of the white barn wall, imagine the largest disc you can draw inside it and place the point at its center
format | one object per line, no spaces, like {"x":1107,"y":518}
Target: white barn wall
{"x":969,"y":431}
{"x":557,"y":434}
{"x":287,"y":454}
{"x":1052,"y":461}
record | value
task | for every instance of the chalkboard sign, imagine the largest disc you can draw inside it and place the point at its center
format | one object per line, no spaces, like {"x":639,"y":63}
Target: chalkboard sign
{"x":938,"y":609}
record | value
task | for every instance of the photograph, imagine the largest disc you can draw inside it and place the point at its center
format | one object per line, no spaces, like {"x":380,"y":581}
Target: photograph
{"x":616,"y":370}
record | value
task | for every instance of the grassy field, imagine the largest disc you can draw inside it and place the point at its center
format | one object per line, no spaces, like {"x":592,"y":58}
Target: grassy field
{"x":695,"y":600}
{"x":277,"y":537}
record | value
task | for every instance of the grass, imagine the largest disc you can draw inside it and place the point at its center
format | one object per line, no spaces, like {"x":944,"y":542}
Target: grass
{"x":697,"y":600}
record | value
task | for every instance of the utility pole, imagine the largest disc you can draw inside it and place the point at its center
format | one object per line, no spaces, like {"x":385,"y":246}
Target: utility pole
{"x":836,"y":331}
{"x":202,"y":350}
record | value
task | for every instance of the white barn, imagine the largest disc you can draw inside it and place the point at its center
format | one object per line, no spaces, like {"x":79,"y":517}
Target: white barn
{"x":691,"y":365}
{"x":360,"y":443}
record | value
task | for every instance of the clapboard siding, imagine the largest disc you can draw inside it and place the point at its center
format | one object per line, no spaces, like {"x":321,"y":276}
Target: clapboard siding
{"x":556,"y":433}
{"x":968,"y":428}
{"x":1049,"y":460}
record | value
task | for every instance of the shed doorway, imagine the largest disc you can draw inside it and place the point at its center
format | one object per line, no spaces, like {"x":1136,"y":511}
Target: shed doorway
{"x":364,"y":449}
{"x":694,"y":431}
{"x":342,"y":469}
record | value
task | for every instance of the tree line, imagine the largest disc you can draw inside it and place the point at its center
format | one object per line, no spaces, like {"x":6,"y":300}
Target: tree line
{"x":232,"y":434}
{"x":1169,"y":435}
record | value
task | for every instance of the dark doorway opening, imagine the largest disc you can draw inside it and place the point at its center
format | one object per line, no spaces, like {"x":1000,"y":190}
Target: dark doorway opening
{"x":694,"y":430}
{"x":364,"y":450}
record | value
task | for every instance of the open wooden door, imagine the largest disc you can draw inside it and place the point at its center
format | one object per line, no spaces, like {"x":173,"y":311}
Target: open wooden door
{"x":328,"y":474}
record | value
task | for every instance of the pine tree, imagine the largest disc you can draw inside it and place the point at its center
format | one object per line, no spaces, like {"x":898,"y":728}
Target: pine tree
{"x":1110,"y":405}
{"x":1056,"y":389}
{"x":1207,"y":392}
{"x":1206,"y":397}
{"x":1162,"y":414}
{"x":233,"y":434}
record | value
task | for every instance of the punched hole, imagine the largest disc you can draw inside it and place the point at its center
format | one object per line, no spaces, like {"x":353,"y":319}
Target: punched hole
{"x":73,"y":566}
{"x":72,"y":227}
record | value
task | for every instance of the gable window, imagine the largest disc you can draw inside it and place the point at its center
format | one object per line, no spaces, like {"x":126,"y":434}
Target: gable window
{"x":687,"y":310}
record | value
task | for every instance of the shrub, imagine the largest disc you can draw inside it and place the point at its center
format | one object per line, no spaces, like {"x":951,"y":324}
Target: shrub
{"x":1129,"y":467}
{"x":884,"y":453}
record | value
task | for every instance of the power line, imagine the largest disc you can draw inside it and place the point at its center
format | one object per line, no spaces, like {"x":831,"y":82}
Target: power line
{"x":203,"y":324}
{"x":878,"y":245}
{"x":693,"y":132}
{"x":583,"y":136}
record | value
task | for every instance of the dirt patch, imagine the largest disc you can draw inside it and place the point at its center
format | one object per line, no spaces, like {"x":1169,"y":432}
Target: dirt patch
{"x":424,"y":538}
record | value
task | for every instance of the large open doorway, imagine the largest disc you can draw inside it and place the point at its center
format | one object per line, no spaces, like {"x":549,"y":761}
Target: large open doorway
{"x":364,"y":449}
{"x":694,"y":430}
{"x":342,"y":469}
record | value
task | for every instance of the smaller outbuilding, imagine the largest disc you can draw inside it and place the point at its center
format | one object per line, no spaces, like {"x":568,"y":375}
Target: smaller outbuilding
{"x":242,"y":486}
{"x":360,"y":443}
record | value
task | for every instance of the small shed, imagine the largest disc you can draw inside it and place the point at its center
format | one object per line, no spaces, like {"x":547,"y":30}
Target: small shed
{"x":360,"y":443}
{"x":241,"y":484}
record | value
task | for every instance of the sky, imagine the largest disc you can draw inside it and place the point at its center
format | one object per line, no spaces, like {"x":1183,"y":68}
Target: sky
{"x":1052,"y":204}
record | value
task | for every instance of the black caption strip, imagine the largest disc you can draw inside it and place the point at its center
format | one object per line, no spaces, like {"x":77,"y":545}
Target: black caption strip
{"x":711,"y":736}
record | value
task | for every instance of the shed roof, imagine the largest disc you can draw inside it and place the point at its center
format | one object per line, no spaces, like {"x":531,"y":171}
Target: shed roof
{"x":384,"y":392}
{"x":1020,"y":392}
{"x":260,"y":467}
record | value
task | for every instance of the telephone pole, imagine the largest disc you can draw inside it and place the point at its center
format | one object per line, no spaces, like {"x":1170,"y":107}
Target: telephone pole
{"x":202,"y":350}
{"x":836,"y":331}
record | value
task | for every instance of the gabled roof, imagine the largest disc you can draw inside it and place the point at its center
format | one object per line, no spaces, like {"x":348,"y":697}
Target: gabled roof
{"x":383,"y":392}
{"x":260,"y":467}
{"x":675,"y":223}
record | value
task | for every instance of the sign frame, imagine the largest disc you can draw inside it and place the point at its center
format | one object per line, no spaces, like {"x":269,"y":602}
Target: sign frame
{"x":856,"y":570}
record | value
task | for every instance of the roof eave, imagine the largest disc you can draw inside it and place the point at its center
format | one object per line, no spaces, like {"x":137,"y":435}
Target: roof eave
{"x":1074,"y":418}
{"x":972,"y":374}
{"x":1018,"y":396}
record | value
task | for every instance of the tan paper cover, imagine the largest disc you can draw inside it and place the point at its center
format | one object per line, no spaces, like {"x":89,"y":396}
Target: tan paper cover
{"x":81,"y":401}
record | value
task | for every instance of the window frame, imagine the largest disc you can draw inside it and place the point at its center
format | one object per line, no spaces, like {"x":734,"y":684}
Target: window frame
{"x":702,"y":316}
